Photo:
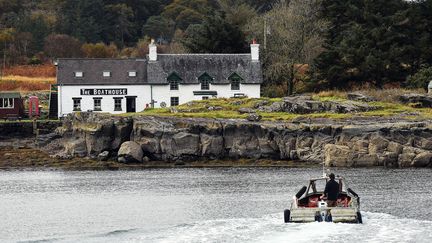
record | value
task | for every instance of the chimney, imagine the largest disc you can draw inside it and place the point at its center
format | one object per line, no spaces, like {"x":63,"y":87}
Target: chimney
{"x":152,"y":51}
{"x":254,"y":51}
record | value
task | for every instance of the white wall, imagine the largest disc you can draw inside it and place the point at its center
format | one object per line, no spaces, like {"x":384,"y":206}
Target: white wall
{"x":161,"y":93}
{"x":224,"y":90}
{"x":66,"y":93}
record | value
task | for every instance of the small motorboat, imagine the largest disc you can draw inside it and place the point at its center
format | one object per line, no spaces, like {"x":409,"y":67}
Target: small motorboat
{"x":307,"y":205}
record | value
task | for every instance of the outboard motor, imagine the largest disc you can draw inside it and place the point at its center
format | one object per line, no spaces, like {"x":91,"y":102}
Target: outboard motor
{"x":324,"y":213}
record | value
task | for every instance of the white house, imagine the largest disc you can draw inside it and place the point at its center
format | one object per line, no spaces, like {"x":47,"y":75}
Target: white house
{"x":160,"y":80}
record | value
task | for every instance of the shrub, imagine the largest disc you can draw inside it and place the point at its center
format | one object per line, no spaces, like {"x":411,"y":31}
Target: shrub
{"x":34,"y":61}
{"x":421,"y":79}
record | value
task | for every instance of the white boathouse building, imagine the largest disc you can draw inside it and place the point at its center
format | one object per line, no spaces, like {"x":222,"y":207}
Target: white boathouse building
{"x":160,"y":80}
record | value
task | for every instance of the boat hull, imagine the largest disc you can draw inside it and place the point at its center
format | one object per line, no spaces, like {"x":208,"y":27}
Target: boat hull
{"x":338,"y":215}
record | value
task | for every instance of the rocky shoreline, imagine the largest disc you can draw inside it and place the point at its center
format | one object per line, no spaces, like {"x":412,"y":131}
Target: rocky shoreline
{"x":148,"y":140}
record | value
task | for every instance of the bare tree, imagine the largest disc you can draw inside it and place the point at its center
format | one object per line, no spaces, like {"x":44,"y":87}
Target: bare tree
{"x":294,"y":38}
{"x":55,"y":45}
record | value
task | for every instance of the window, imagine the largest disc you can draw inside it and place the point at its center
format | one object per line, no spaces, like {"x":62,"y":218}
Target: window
{"x":132,"y":73}
{"x":97,"y":104}
{"x":235,"y":80}
{"x":205,"y":97}
{"x":6,"y":103}
{"x":205,"y":80}
{"x":174,"y":85}
{"x":118,"y":104}
{"x":76,"y":104}
{"x":174,"y":80}
{"x":205,"y":85}
{"x":106,"y":74}
{"x":174,"y":101}
{"x":79,"y":74}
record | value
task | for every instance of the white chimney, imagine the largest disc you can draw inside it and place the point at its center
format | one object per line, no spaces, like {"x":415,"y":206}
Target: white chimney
{"x":254,"y":51}
{"x":152,"y":51}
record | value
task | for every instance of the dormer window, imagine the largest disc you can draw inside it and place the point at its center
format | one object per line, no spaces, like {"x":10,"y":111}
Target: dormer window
{"x":174,"y":80}
{"x":132,"y":73}
{"x":79,"y":74}
{"x":235,"y":81}
{"x":106,"y":74}
{"x":205,"y":81}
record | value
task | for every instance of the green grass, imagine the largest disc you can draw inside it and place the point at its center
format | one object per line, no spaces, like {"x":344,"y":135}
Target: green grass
{"x":229,"y":110}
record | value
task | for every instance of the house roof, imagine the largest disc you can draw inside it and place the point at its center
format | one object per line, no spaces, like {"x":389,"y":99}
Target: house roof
{"x":93,"y":68}
{"x":188,"y":67}
{"x":12,"y":95}
{"x":191,"y":66}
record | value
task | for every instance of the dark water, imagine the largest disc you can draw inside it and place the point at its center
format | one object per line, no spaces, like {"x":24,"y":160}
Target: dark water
{"x":205,"y":205}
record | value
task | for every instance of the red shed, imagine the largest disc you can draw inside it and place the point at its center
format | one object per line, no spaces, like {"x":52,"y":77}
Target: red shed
{"x":11,"y":105}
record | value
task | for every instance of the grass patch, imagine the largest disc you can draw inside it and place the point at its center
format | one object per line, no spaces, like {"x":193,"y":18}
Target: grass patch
{"x":228,"y":109}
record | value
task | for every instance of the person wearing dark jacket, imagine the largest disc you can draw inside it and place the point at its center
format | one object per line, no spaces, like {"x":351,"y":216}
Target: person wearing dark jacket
{"x":331,"y":191}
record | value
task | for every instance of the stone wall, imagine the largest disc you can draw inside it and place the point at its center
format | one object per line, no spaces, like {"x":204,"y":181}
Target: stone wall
{"x":26,"y":129}
{"x":396,"y":144}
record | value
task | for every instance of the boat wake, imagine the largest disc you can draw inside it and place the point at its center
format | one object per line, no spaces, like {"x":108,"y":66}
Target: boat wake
{"x":377,"y":227}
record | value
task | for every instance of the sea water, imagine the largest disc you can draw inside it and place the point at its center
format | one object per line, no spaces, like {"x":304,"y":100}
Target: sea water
{"x":205,"y":205}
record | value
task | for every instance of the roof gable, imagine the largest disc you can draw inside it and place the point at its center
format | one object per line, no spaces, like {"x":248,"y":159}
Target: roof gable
{"x":191,"y":66}
{"x":174,"y":77}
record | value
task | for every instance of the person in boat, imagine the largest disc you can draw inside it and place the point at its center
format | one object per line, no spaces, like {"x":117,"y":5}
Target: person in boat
{"x":331,"y":191}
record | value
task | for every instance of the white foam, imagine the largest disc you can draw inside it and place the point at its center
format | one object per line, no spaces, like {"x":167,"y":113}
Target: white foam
{"x":377,"y":227}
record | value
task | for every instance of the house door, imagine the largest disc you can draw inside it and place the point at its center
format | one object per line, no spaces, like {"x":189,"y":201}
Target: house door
{"x":130,"y":104}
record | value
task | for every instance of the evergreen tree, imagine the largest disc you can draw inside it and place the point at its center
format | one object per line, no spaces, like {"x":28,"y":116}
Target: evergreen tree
{"x":214,"y":35}
{"x":83,"y":19}
{"x":368,"y":42}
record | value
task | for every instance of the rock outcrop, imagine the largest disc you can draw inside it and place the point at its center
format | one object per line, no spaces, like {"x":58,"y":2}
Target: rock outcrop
{"x":419,"y":100}
{"x":305,"y":105}
{"x":351,"y":144}
{"x":130,"y":152}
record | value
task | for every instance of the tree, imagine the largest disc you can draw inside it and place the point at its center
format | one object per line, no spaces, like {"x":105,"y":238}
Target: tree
{"x":84,"y":20}
{"x":119,"y":17}
{"x":55,"y":44}
{"x":371,"y":42}
{"x":214,"y":35}
{"x":237,"y":13}
{"x":6,"y":37}
{"x":99,"y":50}
{"x":294,"y":39}
{"x":159,"y":27}
{"x":187,"y":12}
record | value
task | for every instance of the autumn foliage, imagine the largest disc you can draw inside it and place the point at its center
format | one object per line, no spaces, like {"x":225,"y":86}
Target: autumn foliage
{"x":46,"y":71}
{"x":28,"y":78}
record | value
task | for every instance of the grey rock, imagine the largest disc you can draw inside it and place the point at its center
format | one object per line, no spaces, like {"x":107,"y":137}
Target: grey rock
{"x":237,"y":102}
{"x":130,"y":152}
{"x":422,"y":160}
{"x":405,"y":159}
{"x":246,"y":110}
{"x":145,"y":159}
{"x":337,"y":155}
{"x":393,"y":144}
{"x":424,"y":101}
{"x":377,"y":144}
{"x":214,"y":108}
{"x":261,"y":103}
{"x":103,"y":156}
{"x":212,"y":146}
{"x":76,"y":147}
{"x":356,"y":96}
{"x":254,"y":117}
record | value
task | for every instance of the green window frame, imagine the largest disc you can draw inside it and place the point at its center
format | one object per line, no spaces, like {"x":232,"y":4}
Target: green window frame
{"x":205,"y":79}
{"x":174,"y":81}
{"x":235,"y":81}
